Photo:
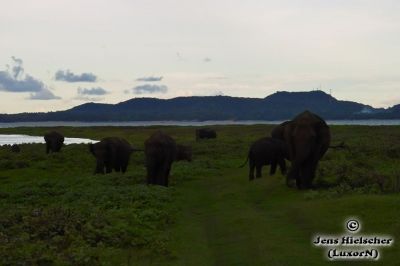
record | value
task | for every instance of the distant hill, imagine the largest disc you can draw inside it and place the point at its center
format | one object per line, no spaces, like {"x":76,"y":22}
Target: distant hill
{"x":278,"y":106}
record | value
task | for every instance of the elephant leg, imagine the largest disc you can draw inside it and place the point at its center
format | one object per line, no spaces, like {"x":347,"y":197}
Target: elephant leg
{"x":159,"y":174}
{"x":150,"y":175}
{"x":47,"y":148}
{"x":303,"y":177}
{"x":99,"y":167}
{"x":124,"y":166}
{"x":300,"y":179}
{"x":293,"y":175}
{"x":309,"y":173}
{"x":151,"y":172}
{"x":282,"y":165}
{"x":117,"y":167}
{"x":272,"y":170}
{"x":164,"y":173}
{"x":251,"y":169}
{"x":258,"y":170}
{"x":108,"y":167}
{"x":299,"y":183}
{"x":166,"y":180}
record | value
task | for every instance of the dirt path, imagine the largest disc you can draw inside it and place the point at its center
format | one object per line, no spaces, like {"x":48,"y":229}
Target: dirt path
{"x":225,"y":220}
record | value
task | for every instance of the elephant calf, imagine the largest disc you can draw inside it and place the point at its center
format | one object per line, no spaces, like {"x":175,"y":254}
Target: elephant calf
{"x":266,"y":151}
{"x":161,"y":151}
{"x":54,"y":141}
{"x":111,"y":153}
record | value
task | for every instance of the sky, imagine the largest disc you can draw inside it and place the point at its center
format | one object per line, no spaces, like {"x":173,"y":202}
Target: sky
{"x":58,"y":54}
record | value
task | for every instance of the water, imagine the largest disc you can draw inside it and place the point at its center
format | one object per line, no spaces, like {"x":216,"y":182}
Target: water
{"x":20,"y":139}
{"x":371,"y":122}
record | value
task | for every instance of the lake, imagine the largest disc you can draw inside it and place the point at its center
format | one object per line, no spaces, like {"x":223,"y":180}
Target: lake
{"x":20,"y":139}
{"x":372,"y":122}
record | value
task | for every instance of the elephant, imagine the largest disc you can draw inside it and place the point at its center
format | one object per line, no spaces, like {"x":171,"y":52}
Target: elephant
{"x":307,"y":137}
{"x":111,"y":153}
{"x":266,"y":151}
{"x":205,"y":133}
{"x":15,"y":148}
{"x":54,"y":141}
{"x":278,"y":131}
{"x":183,"y":153}
{"x":161,"y":151}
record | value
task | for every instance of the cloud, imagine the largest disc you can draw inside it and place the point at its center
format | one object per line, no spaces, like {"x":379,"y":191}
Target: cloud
{"x":92,"y":91}
{"x":150,"y":79}
{"x":14,"y":80}
{"x":9,"y":83}
{"x":44,"y":94}
{"x":68,"y":76}
{"x":207,"y":59}
{"x":17,"y":69}
{"x":149,"y":88}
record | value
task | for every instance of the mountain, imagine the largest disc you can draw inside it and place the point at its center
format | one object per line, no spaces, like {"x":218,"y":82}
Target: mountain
{"x":278,"y":106}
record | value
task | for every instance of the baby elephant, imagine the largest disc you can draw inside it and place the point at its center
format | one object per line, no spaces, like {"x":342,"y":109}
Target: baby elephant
{"x":111,"y":153}
{"x":266,"y":151}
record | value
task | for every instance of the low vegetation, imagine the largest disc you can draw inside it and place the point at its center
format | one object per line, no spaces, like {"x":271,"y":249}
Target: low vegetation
{"x":54,"y":211}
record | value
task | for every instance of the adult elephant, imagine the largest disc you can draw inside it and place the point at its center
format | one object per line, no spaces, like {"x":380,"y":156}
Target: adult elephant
{"x":54,"y":141}
{"x":205,"y":133}
{"x":307,"y":137}
{"x":161,"y":151}
{"x":111,"y":153}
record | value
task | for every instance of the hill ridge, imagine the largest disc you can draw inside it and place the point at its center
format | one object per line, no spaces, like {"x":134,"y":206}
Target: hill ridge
{"x":277,"y":106}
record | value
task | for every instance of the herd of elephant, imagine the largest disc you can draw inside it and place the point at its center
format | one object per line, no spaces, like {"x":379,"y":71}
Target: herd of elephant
{"x":303,"y":141}
{"x":113,"y":153}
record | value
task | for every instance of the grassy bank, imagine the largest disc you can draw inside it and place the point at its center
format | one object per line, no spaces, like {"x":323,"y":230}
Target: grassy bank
{"x":53,"y":210}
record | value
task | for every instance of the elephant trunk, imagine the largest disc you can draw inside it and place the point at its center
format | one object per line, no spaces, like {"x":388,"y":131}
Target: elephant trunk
{"x":302,"y":152}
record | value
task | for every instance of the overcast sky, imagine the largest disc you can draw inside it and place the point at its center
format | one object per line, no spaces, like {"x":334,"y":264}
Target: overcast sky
{"x":58,"y":54}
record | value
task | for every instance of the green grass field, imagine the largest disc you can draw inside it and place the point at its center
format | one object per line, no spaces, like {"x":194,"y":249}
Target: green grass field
{"x":54,"y":211}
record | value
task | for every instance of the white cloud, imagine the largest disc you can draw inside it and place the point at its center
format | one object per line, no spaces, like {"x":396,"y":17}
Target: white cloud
{"x":15,"y":80}
{"x":149,"y":89}
{"x":68,"y":76}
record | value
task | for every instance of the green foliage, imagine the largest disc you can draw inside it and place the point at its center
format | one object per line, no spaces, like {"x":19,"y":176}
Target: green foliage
{"x":54,"y":211}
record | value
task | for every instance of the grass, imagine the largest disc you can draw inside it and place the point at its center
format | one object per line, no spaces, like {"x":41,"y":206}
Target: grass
{"x":54,"y":211}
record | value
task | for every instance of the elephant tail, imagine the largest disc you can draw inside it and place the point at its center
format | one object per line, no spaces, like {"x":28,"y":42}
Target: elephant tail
{"x":247,"y":159}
